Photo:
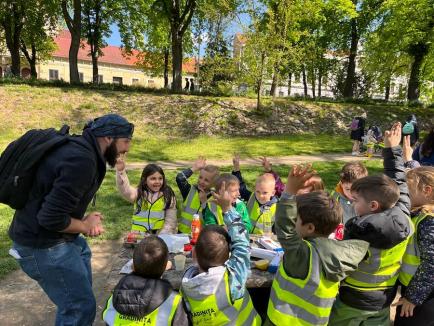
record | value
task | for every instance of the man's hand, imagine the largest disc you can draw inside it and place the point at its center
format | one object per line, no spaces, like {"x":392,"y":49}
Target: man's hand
{"x":392,"y":137}
{"x":223,"y":199}
{"x":92,"y":222}
{"x":298,"y":179}
{"x":199,"y":164}
{"x":407,"y":307}
{"x":407,"y":151}
{"x":236,"y":162}
{"x":266,"y":164}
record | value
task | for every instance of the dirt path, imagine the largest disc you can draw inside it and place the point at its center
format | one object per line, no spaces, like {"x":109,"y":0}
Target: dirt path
{"x":294,"y":159}
{"x":23,"y":303}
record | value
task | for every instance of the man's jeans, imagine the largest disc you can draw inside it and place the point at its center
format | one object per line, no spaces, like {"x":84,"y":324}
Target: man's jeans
{"x":64,"y":273}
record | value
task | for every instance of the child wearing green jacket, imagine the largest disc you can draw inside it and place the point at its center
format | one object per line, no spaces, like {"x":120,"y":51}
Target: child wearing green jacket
{"x":212,"y":213}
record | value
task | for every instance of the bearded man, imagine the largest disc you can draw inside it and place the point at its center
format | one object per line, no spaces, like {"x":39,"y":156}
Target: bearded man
{"x":46,"y":232}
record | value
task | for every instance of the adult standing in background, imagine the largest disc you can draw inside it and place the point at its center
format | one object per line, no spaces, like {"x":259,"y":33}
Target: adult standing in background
{"x":410,"y":128}
{"x":357,"y":132}
{"x":191,"y":85}
{"x":46,"y":231}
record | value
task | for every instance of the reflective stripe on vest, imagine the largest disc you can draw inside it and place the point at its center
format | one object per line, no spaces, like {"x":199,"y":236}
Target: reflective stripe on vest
{"x":380,"y":270}
{"x":163,"y":315}
{"x":411,"y":259}
{"x":217,"y":211}
{"x":150,"y":219}
{"x":191,"y":207}
{"x":217,"y":309}
{"x":302,"y":302}
{"x":256,"y":215}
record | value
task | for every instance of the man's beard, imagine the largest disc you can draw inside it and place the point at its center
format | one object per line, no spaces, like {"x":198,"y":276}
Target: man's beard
{"x":111,"y":154}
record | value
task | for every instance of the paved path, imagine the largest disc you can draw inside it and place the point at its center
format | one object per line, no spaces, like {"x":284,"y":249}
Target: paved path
{"x":280,"y":160}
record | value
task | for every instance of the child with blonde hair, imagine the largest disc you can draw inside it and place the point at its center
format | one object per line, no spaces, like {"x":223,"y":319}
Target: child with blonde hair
{"x":416,"y":305}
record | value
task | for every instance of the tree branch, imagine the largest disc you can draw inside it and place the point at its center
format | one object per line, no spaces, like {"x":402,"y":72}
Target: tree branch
{"x":68,"y":19}
{"x":188,"y":20}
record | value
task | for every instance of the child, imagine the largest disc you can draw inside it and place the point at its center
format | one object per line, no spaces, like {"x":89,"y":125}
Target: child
{"x":154,"y":200}
{"x":259,"y":201}
{"x":307,"y":281}
{"x":382,"y":205}
{"x":212,"y":214}
{"x":195,"y":197}
{"x":350,"y":172}
{"x":416,"y":306}
{"x":214,"y":290}
{"x":143,"y":298}
{"x":369,"y":141}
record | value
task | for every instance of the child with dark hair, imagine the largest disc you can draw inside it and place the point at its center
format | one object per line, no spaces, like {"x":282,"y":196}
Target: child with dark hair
{"x":214,"y":290}
{"x":308,"y":277}
{"x":424,"y":153}
{"x":350,"y":172}
{"x":382,"y":205}
{"x":154,"y":200}
{"x":143,"y":298}
{"x":213,"y":214}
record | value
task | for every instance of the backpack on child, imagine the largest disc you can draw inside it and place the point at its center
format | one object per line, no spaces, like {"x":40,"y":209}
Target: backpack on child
{"x":408,"y":128}
{"x":20,"y":160}
{"x":354,"y":124}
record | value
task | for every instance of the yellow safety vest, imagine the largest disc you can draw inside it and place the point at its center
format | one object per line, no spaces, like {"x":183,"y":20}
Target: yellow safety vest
{"x":411,"y":259}
{"x":256,"y":216}
{"x":217,"y":211}
{"x":163,"y":315}
{"x":150,"y":219}
{"x":380,"y":270}
{"x":218,"y":309}
{"x":296,"y":302}
{"x":191,"y":207}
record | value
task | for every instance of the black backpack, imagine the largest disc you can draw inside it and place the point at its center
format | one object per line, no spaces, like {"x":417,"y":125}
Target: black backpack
{"x":20,"y":160}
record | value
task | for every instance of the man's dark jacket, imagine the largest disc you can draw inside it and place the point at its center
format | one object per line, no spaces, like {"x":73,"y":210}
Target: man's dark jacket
{"x":65,"y":183}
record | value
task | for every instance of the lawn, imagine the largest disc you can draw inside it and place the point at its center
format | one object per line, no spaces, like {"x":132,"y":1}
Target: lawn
{"x":117,"y":211}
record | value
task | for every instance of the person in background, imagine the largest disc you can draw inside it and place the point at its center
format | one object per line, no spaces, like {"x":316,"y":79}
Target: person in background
{"x":357,"y":132}
{"x":424,"y":153}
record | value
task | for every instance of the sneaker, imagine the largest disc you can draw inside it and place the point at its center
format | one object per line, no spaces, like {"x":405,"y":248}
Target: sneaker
{"x":355,"y":153}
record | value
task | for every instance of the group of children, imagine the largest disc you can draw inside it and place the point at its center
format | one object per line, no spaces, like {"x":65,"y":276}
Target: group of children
{"x":388,"y":241}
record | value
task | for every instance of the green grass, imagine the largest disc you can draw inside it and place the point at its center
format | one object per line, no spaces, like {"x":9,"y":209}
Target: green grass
{"x":117,"y":211}
{"x":172,"y":149}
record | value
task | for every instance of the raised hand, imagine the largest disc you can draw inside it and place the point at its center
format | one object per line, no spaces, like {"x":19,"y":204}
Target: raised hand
{"x":266,"y":164}
{"x":236,"y":162}
{"x":298,"y":178}
{"x":120,"y":163}
{"x":392,"y":137}
{"x":407,"y":150}
{"x":199,"y":164}
{"x":223,"y":198}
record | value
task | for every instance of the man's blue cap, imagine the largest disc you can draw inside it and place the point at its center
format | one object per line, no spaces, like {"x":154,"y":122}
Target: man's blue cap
{"x":111,"y":125}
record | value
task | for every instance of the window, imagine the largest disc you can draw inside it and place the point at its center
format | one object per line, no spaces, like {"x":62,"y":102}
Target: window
{"x":53,"y":74}
{"x":297,"y":77}
{"x":100,"y":79}
{"x":117,"y":80}
{"x":392,"y":88}
{"x":135,"y":81}
{"x":281,"y":94}
{"x":324,"y":80}
{"x":81,"y":76}
{"x":151,"y":83}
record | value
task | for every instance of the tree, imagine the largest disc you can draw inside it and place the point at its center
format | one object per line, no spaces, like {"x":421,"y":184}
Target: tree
{"x":97,"y":17}
{"x":74,"y":26}
{"x":12,"y":17}
{"x":36,"y":39}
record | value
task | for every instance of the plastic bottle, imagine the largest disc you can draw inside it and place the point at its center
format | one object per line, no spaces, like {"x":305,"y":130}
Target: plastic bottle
{"x":195,"y":228}
{"x":267,"y":220}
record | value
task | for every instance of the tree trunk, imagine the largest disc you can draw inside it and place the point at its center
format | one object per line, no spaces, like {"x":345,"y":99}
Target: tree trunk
{"x":74,"y":27}
{"x":259,"y":84}
{"x":303,"y":71}
{"x":94,"y":55}
{"x":312,"y":82}
{"x":176,"y":60}
{"x":274,"y":82}
{"x":319,"y":83}
{"x":418,"y":52}
{"x":166,"y":68}
{"x":387,"y":89}
{"x":348,"y":91}
{"x":289,"y":83}
{"x":31,"y":59}
{"x":12,"y":27}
